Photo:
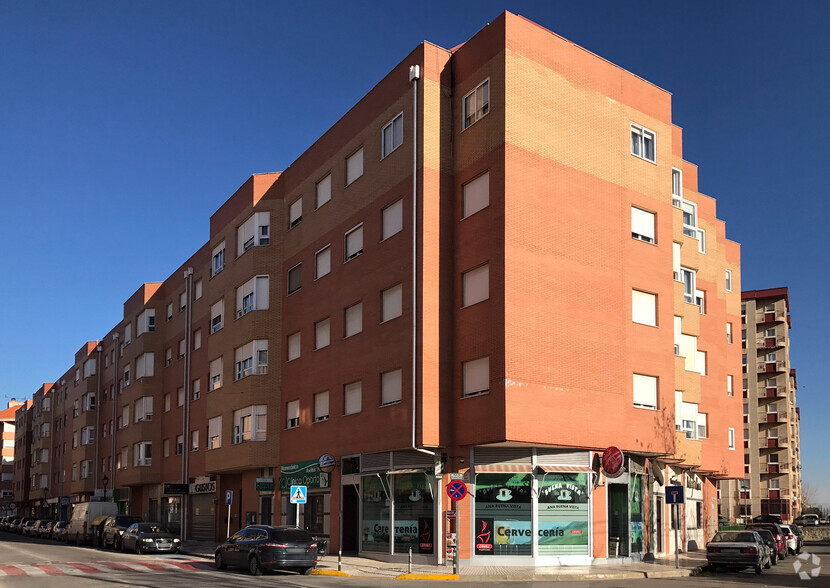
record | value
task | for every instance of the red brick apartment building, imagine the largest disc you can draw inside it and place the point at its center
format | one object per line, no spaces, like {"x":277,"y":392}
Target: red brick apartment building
{"x":7,"y":435}
{"x":563,"y":284}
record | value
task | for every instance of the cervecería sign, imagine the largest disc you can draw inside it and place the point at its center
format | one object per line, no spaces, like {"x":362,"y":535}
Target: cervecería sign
{"x":302,"y":473}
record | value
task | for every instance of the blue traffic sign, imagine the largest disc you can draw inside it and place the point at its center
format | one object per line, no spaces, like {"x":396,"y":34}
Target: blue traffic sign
{"x":299,"y":494}
{"x":456,"y":490}
{"x":228,"y":497}
{"x":674,"y":494}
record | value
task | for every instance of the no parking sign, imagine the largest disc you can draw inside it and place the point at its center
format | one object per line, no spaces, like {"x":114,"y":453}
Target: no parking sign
{"x":456,"y":490}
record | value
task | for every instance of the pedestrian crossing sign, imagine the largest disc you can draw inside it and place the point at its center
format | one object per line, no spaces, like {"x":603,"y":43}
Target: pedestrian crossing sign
{"x":298,"y":494}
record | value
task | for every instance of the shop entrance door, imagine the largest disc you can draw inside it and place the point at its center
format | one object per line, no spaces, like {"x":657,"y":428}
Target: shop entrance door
{"x":351,"y":518}
{"x":618,"y":531}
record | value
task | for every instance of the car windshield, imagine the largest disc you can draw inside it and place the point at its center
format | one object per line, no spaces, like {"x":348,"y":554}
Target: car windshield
{"x":152,"y":529}
{"x":734,"y":537}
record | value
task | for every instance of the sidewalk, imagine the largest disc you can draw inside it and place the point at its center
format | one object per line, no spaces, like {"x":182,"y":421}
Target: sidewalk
{"x":691,"y":564}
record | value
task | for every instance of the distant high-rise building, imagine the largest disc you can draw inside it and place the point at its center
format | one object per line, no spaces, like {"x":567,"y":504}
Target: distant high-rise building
{"x":772,"y":458}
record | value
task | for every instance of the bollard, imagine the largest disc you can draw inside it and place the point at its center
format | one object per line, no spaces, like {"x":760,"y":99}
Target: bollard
{"x":410,"y":559}
{"x":339,"y":558}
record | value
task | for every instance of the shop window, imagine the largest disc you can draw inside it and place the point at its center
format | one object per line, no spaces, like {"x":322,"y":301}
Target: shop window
{"x":375,"y":524}
{"x":563,"y":514}
{"x":502,"y":514}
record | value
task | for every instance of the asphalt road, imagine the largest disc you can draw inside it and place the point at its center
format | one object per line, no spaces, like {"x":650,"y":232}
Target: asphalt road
{"x":83,"y":566}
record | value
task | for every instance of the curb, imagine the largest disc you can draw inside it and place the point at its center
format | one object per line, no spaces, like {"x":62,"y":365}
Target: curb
{"x":316,"y":572}
{"x":427,"y":577}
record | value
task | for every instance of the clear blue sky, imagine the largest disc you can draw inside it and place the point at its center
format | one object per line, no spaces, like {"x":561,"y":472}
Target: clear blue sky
{"x":124,"y":121}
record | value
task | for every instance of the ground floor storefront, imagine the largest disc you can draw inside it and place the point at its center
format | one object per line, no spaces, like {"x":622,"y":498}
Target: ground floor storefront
{"x":523,"y":506}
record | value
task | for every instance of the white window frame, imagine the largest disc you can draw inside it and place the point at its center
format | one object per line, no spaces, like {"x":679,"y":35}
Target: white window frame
{"x":639,"y":135}
{"x":476,"y":100}
{"x":731,"y":438}
{"x":391,"y":303}
{"x":295,"y":213}
{"x":350,"y":241}
{"x":215,"y":374}
{"x":321,"y":407}
{"x":214,"y":440}
{"x":322,"y":262}
{"x":218,"y":259}
{"x":299,"y":273}
{"x":353,"y":398}
{"x":217,"y":316}
{"x":322,"y":333}
{"x":728,"y":280}
{"x":322,"y":192}
{"x":475,"y":195}
{"x":475,"y":377}
{"x":641,"y":382}
{"x":475,"y":285}
{"x":643,"y":307}
{"x":391,"y":387}
{"x":252,"y":295}
{"x":392,"y":220}
{"x":354,"y":166}
{"x":395,"y":127}
{"x":292,"y":414}
{"x":293,"y":346}
{"x":353,"y":320}
{"x":677,"y":187}
{"x":640,"y":231}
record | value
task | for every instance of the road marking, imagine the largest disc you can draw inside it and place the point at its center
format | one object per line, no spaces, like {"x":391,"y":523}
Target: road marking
{"x":103,"y":567}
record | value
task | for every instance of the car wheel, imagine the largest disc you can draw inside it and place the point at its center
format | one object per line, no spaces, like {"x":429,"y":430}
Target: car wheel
{"x":123,"y":546}
{"x":220,"y":561}
{"x":138,"y":549}
{"x":306,"y":571}
{"x":253,"y":566}
{"x":713,"y":567}
{"x":774,"y":559}
{"x":768,"y":565}
{"x":758,"y":569}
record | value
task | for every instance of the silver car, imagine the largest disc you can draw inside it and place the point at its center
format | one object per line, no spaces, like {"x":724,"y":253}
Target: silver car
{"x":738,"y":550}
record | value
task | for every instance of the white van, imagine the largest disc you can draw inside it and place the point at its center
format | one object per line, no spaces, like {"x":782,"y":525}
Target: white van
{"x":79,"y":529}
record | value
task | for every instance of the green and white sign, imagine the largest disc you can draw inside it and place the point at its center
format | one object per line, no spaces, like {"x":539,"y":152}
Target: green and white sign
{"x":302,"y":473}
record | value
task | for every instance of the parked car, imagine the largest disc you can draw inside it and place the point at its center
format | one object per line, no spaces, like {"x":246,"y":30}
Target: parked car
{"x":738,"y":549}
{"x":13,"y":524}
{"x":59,"y":530}
{"x":822,"y":520}
{"x":791,"y":538}
{"x":769,"y":540}
{"x":80,"y":529}
{"x":26,"y":527}
{"x":4,"y":522}
{"x":114,"y":528}
{"x":808,"y":520}
{"x":799,"y":535}
{"x":39,"y":526}
{"x":144,"y":537}
{"x":262,"y":547}
{"x":777,"y":532}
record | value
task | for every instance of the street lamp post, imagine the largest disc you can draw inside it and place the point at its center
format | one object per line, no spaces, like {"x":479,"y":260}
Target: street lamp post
{"x":105,"y":480}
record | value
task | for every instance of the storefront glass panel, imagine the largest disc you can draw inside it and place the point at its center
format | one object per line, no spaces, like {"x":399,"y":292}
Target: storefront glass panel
{"x":635,"y":487}
{"x":413,"y":513}
{"x":503,"y":514}
{"x":563,"y":514}
{"x":375,"y":527}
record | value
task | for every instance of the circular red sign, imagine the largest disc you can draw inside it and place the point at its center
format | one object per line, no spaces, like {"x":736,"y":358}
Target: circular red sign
{"x":456,"y":490}
{"x":612,"y":462}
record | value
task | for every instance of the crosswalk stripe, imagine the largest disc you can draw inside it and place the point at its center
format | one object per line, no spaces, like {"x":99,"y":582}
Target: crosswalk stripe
{"x":30,"y":570}
{"x":102,"y":567}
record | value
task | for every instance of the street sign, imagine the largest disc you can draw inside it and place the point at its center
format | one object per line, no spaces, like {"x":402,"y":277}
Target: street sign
{"x":326,"y":462}
{"x":169,"y":488}
{"x":456,"y":490}
{"x":229,"y":497}
{"x":299,"y":494}
{"x":674,"y":494}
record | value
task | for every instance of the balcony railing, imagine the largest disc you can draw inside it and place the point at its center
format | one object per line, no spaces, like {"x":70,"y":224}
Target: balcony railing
{"x":772,"y":366}
{"x":773,"y":316}
{"x":770,"y":342}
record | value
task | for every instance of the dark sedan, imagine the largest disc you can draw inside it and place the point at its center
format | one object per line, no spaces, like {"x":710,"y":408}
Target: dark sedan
{"x":738,"y":549}
{"x":114,"y":528}
{"x":261,"y":547}
{"x":146,"y":537}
